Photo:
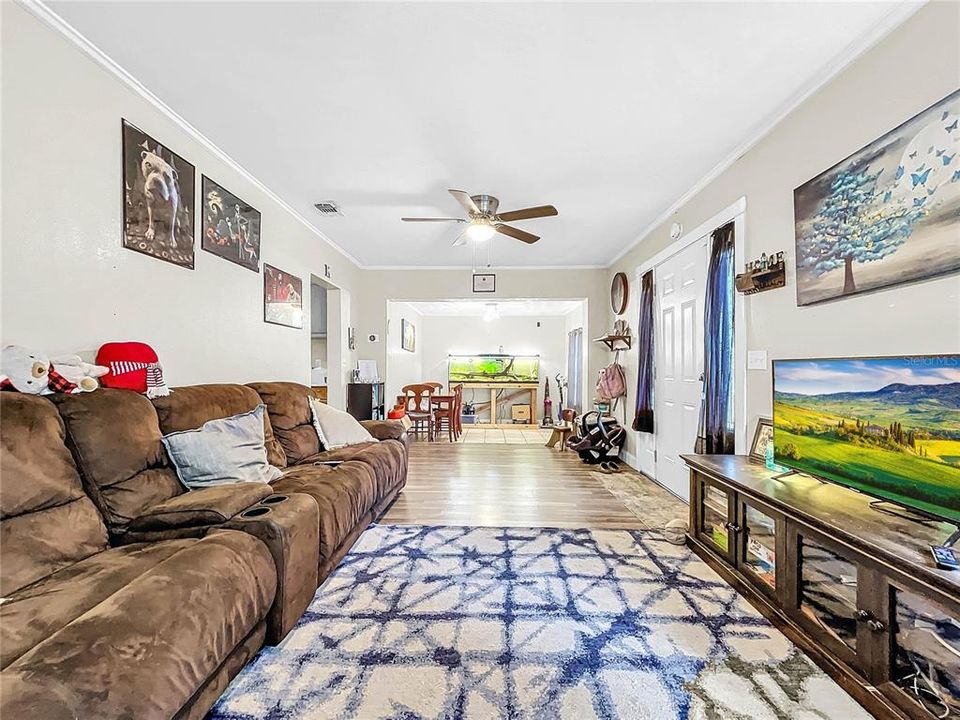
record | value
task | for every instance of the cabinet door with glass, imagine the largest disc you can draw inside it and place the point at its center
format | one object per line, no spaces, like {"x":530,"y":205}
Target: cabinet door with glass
{"x":760,"y":554}
{"x":823,"y":593}
{"x":924,"y":661}
{"x":715,"y":517}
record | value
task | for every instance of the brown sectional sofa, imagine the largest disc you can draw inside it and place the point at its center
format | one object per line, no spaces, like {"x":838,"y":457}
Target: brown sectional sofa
{"x":124,"y":595}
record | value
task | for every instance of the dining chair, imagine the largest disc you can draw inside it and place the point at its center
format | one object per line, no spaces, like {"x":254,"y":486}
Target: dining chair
{"x":458,"y":409}
{"x":438,"y":386}
{"x":446,"y":410}
{"x":418,"y":403}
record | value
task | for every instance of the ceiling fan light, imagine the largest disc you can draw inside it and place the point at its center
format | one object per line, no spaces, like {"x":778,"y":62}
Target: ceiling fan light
{"x":480,"y":231}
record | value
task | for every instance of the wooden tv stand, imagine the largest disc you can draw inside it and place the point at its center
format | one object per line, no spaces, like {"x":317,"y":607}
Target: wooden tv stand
{"x":854,"y":587}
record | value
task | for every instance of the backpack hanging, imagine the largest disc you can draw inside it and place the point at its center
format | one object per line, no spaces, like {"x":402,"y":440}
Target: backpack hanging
{"x":612,"y":382}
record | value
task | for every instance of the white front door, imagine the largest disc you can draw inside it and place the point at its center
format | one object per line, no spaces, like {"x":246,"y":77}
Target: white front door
{"x":680,"y":286}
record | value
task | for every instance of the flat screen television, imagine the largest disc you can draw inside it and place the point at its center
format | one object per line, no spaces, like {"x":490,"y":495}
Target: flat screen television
{"x":887,"y":426}
{"x":493,"y":368}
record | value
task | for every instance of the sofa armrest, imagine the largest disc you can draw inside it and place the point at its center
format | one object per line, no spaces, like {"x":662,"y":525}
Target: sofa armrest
{"x":200,"y":508}
{"x":385,"y":429}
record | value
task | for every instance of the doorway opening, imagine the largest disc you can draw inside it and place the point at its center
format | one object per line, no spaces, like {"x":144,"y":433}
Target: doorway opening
{"x":507,"y":354}
{"x":327,"y":341}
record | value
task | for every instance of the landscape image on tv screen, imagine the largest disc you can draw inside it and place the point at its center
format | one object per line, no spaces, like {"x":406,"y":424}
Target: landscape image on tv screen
{"x":887,"y":426}
{"x":494,"y":368}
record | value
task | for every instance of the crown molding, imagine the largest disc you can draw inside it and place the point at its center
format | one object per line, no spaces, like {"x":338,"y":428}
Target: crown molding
{"x":902,"y":11}
{"x":495,"y":269}
{"x":39,"y":9}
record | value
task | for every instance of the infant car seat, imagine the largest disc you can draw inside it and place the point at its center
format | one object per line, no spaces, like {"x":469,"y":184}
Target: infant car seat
{"x":601,"y":438}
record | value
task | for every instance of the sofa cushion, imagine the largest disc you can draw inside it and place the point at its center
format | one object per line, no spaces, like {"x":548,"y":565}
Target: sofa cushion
{"x":290,"y":417}
{"x":48,"y":522}
{"x":222,"y":452}
{"x":37,"y":612}
{"x":345,"y":494}
{"x":388,"y":460}
{"x":116,"y":442}
{"x":136,"y":632}
{"x":187,"y":408}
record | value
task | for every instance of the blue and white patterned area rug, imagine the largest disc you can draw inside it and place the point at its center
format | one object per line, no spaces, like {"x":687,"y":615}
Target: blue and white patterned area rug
{"x":458,"y":622}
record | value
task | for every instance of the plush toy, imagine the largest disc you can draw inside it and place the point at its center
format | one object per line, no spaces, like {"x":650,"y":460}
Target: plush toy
{"x":132,"y":366}
{"x":83,"y":374}
{"x":34,"y":373}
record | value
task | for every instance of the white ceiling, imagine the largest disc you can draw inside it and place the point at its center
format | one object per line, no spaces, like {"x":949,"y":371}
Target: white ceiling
{"x":609,"y":111}
{"x":505,"y":308}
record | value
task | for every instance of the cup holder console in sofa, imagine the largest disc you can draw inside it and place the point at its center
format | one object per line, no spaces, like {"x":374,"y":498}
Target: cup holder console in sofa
{"x":289,"y":525}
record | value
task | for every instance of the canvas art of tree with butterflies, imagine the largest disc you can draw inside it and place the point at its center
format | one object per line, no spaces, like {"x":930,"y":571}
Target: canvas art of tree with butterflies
{"x":889,"y":214}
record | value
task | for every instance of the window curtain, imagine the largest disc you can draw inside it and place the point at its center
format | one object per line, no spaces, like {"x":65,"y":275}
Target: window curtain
{"x":715,"y":435}
{"x":643,"y":415}
{"x":575,"y":370}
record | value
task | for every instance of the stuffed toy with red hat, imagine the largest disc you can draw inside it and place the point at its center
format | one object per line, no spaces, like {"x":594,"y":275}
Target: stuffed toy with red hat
{"x":32,"y":372}
{"x":133,"y":366}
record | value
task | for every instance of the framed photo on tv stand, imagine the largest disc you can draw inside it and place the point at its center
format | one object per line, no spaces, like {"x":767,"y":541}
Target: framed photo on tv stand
{"x":762,"y":435}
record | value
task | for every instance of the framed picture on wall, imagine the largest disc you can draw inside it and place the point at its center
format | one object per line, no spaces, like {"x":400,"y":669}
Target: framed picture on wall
{"x":886,"y":215}
{"x":282,"y":298}
{"x":484,"y":282}
{"x":231,"y":227}
{"x":158,"y":199}
{"x":408,"y":335}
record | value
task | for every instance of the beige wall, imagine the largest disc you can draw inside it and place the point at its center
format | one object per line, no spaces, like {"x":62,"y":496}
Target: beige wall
{"x":401,"y":367}
{"x":452,"y":284}
{"x":877,"y":92}
{"x":68,"y":285}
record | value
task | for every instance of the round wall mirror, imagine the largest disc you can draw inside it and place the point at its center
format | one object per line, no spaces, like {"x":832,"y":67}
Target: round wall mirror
{"x":619,"y":291}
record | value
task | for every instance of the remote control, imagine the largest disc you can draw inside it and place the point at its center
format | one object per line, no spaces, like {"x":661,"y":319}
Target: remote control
{"x":945,"y":557}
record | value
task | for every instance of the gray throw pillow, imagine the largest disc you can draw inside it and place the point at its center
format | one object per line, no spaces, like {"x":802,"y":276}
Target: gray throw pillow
{"x":222,"y":452}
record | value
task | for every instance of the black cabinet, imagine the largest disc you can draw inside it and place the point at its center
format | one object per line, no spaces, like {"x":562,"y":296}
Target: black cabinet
{"x":365,"y":401}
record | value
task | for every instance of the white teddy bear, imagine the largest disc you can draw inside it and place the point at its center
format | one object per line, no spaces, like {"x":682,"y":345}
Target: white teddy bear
{"x":36,"y":374}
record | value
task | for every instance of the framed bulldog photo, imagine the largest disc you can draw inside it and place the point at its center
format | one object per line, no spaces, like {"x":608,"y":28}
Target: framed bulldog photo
{"x":231,"y":227}
{"x":158,"y":199}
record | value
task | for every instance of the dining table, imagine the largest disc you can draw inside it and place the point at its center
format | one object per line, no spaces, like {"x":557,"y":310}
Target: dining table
{"x":437,"y":402}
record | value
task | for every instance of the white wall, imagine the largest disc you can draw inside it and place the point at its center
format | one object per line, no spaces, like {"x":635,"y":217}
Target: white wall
{"x":379,"y":286}
{"x":69,"y":286}
{"x":874,"y":94}
{"x":400,"y":367}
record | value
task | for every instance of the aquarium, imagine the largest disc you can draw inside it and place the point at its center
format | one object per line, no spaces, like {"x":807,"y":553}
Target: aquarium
{"x":889,"y":426}
{"x":494,"y":369}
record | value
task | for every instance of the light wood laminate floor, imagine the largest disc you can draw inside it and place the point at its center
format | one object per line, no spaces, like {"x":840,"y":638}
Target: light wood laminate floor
{"x":522,"y":486}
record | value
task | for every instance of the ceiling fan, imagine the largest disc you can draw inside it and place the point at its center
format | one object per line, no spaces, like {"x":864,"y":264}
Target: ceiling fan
{"x":484,"y":219}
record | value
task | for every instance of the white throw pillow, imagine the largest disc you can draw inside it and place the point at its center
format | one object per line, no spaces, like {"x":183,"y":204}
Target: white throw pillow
{"x":335,"y":428}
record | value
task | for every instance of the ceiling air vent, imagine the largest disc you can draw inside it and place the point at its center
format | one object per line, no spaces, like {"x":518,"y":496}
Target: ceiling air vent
{"x":328,"y":207}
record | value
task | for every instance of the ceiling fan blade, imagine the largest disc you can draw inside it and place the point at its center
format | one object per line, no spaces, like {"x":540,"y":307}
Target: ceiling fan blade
{"x":466,"y":201}
{"x":517,"y":233}
{"x":461,"y":240}
{"x":456,"y":220}
{"x":528,"y":213}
